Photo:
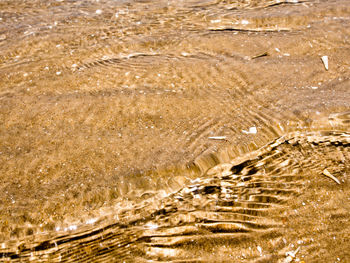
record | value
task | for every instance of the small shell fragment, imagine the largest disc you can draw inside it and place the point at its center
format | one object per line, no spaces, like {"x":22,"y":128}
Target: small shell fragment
{"x":252,"y":130}
{"x":328,"y":174}
{"x":259,"y":249}
{"x":325,"y":61}
{"x":290,"y":255}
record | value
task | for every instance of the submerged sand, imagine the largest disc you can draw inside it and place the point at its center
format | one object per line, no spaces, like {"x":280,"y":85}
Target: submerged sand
{"x":105,"y":105}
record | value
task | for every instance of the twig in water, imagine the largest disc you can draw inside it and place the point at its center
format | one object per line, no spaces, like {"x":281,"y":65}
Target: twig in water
{"x":217,"y":138}
{"x":260,"y":55}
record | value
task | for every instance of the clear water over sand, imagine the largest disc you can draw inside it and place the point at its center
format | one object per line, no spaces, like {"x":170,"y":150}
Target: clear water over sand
{"x":132,"y":131}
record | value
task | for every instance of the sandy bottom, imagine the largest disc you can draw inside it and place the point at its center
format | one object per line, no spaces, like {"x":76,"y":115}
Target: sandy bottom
{"x":107,"y":105}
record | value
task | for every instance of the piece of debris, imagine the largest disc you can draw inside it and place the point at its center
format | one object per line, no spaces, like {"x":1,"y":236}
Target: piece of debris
{"x":325,"y":61}
{"x":328,"y":174}
{"x":290,"y":255}
{"x":252,"y":130}
{"x":259,"y":29}
{"x":217,"y":138}
{"x":151,"y":226}
{"x":259,"y":249}
{"x":260,"y":55}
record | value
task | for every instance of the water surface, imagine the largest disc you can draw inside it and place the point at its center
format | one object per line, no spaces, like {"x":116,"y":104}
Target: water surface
{"x":132,"y":130}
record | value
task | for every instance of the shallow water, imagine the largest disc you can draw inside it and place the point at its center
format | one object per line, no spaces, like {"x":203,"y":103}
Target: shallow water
{"x":132,"y":130}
